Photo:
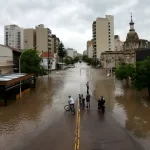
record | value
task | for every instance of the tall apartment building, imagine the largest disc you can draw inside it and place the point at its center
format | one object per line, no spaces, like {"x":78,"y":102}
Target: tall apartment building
{"x":103,"y":35}
{"x":43,"y":38}
{"x":90,"y":49}
{"x":54,"y":43}
{"x":13,"y":36}
{"x":29,"y":38}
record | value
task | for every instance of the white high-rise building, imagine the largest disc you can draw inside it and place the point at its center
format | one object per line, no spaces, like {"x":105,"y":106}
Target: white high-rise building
{"x":13,"y":36}
{"x":103,"y":35}
{"x":70,"y":52}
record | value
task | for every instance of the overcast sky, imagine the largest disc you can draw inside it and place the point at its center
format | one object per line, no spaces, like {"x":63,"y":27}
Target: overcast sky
{"x":71,"y":20}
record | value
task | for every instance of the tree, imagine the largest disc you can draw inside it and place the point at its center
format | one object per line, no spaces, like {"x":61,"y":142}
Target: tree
{"x":68,"y":60}
{"x":76,"y":59}
{"x":141,"y":78}
{"x":85,"y":58}
{"x":124,"y":71}
{"x":61,"y":51}
{"x":30,"y":62}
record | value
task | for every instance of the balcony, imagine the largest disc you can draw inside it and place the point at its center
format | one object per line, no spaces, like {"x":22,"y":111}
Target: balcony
{"x":94,"y":33}
{"x":94,"y":23}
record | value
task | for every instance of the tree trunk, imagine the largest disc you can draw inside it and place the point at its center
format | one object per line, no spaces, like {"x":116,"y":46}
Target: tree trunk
{"x":149,"y":93}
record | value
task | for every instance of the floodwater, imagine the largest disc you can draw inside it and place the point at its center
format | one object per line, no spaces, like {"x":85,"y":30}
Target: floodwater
{"x":43,"y":106}
{"x":131,"y":108}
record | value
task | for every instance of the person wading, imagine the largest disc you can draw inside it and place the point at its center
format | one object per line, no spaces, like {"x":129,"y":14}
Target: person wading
{"x":87,"y":85}
{"x":88,"y":96}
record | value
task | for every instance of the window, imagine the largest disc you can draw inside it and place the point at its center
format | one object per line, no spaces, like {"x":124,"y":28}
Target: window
{"x":109,"y":42}
{"x":109,"y":39}
{"x":109,"y":48}
{"x":109,"y":29}
{"x":109,"y":35}
{"x":109,"y":32}
{"x":109,"y":26}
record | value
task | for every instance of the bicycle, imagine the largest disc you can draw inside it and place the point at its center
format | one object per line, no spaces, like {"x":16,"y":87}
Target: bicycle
{"x":70,"y":108}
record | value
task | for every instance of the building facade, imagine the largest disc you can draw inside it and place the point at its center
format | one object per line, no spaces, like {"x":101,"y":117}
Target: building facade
{"x":111,"y":59}
{"x":51,"y":58}
{"x":85,"y":52}
{"x":118,"y":43}
{"x":70,"y":52}
{"x":90,"y":49}
{"x":13,"y":36}
{"x":75,"y":54}
{"x":29,"y":38}
{"x":43,"y":38}
{"x":54,"y":43}
{"x":6,"y":60}
{"x":103,"y":35}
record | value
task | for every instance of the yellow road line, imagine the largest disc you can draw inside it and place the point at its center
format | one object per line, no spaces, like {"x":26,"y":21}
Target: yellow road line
{"x":77,"y":130}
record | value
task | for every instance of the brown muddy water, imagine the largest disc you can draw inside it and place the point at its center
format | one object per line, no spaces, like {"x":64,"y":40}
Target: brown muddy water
{"x":22,"y":117}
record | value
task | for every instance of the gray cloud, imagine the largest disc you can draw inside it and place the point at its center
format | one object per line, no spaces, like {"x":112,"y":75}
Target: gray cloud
{"x":72,"y":20}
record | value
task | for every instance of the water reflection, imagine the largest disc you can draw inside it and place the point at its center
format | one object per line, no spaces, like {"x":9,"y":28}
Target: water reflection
{"x":24,"y":116}
{"x":135,"y":110}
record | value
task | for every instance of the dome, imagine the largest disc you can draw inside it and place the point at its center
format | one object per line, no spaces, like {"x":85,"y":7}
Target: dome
{"x":132,"y":36}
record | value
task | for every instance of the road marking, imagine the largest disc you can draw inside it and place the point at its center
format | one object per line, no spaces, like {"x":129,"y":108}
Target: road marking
{"x":77,"y":130}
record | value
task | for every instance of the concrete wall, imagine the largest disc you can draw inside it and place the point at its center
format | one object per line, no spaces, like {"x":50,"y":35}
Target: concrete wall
{"x":90,"y":51}
{"x":6,"y":60}
{"x":29,"y":38}
{"x":110,"y":19}
{"x":42,"y":39}
{"x":44,"y":63}
{"x":101,"y":36}
{"x":70,"y":52}
{"x":11,"y":34}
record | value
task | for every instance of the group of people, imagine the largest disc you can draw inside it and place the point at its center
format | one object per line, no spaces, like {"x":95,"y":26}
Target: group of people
{"x":101,"y":101}
{"x":82,"y":100}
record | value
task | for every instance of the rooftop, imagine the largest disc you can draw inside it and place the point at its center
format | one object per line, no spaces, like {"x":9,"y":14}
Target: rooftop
{"x":12,"y":76}
{"x":45,"y":55}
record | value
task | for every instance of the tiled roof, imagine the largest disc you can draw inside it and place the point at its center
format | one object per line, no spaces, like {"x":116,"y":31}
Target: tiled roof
{"x":45,"y":55}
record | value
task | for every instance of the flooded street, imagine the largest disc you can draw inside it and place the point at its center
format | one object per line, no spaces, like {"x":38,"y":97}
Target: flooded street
{"x":38,"y":120}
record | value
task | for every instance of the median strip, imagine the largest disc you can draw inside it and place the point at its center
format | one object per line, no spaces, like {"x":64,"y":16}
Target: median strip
{"x":77,"y":130}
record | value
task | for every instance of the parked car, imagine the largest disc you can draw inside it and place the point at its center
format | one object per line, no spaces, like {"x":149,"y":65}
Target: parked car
{"x":71,"y":66}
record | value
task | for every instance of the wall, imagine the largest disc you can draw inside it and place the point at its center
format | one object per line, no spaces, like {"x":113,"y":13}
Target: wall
{"x":70,"y":52}
{"x":90,"y":51}
{"x":101,"y":36}
{"x":29,"y":38}
{"x":13,"y":39}
{"x":42,"y":39}
{"x":111,"y":20}
{"x":44,"y":63}
{"x":6,"y":60}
